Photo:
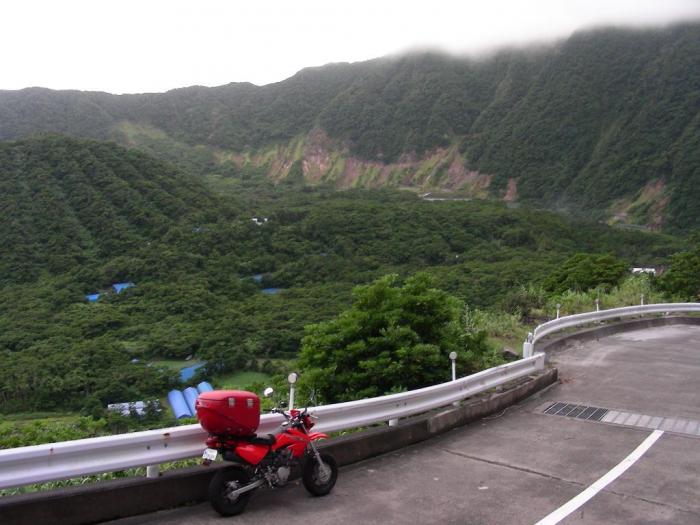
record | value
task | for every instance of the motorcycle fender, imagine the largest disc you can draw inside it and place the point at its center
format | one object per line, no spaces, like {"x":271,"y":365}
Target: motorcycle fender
{"x":251,"y":453}
{"x":315,"y":436}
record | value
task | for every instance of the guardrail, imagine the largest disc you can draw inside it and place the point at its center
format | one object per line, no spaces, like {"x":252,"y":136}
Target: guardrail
{"x":40,"y":463}
{"x":603,"y":315}
{"x":53,"y":461}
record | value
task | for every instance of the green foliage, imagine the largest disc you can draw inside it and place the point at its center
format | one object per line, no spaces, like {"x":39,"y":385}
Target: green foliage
{"x":195,"y":295}
{"x":682,"y":279}
{"x":69,"y":202}
{"x":394,"y":337}
{"x":583,"y":272}
{"x":243,"y":381}
{"x":26,"y":429}
{"x":494,"y":323}
{"x":477,"y":354}
{"x":523,"y":300}
{"x":628,"y":293}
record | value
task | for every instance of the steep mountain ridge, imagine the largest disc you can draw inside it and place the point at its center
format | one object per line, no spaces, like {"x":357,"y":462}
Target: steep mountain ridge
{"x":606,"y":122}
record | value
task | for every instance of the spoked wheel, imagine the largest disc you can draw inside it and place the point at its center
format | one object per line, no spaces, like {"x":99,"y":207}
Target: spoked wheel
{"x":319,"y":479}
{"x":222,"y":485}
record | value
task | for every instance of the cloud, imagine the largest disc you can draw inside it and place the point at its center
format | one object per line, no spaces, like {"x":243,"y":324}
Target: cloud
{"x":136,"y":46}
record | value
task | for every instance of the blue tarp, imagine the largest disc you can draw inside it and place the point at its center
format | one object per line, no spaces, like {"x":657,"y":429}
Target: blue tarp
{"x":178,"y":404}
{"x":118,"y":287}
{"x":204,"y":386}
{"x":271,"y":291}
{"x":190,"y":394}
{"x":187,"y":373}
{"x":93,"y":297}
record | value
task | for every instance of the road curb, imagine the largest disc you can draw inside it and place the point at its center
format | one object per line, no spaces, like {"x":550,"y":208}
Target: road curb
{"x":550,"y":346}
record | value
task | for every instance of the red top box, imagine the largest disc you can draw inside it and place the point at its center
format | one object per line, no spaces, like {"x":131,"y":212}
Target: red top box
{"x":228,"y":412}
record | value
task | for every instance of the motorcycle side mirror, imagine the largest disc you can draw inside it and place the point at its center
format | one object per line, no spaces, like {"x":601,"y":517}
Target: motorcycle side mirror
{"x":268,"y":391}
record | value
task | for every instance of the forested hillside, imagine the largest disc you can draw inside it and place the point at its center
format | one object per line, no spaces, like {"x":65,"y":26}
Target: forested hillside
{"x":606,"y":123}
{"x":80,"y":216}
{"x":69,"y":203}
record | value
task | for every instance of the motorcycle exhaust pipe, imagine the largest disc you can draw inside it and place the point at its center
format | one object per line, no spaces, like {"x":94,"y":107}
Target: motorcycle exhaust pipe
{"x":245,"y":489}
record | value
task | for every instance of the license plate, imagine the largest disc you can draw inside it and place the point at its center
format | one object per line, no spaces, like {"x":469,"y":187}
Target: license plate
{"x":209,"y":454}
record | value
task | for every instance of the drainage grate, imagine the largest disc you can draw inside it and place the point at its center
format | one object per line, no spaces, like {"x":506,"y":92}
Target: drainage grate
{"x":576,"y":411}
{"x":675,"y":425}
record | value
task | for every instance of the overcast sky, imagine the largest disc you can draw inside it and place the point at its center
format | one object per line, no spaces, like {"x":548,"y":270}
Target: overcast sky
{"x":132,"y":46}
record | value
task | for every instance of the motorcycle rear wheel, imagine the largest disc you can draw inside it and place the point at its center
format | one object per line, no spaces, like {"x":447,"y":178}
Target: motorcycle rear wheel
{"x":225,"y":481}
{"x":319,"y":480}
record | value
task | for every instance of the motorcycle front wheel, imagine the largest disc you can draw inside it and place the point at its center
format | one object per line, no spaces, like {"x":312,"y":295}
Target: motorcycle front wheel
{"x":222,"y":484}
{"x":319,"y":479}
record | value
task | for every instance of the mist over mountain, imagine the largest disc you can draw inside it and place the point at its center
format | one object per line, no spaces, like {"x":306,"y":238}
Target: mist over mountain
{"x":605,"y":123}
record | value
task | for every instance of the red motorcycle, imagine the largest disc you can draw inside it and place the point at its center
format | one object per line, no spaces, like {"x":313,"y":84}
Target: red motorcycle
{"x":231,"y":418}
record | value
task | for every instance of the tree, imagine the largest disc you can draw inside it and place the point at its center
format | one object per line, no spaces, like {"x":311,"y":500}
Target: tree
{"x":392,"y":338}
{"x":585,"y":271}
{"x":682,"y":279}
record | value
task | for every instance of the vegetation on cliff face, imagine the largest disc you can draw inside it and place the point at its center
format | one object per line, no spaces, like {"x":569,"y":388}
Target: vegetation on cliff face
{"x":593,"y":124}
{"x":83,"y":215}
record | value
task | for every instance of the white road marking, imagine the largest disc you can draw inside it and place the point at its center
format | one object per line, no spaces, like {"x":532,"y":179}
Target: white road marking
{"x":574,"y":503}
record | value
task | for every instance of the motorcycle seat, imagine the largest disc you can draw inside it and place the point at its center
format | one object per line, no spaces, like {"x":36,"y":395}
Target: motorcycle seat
{"x":268,"y":439}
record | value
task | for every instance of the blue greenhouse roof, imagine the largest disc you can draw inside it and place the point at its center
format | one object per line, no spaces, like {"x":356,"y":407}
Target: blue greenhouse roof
{"x":118,"y":287}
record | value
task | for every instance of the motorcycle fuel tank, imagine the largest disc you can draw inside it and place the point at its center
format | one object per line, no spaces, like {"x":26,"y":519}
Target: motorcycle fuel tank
{"x":228,"y":412}
{"x":253,"y":454}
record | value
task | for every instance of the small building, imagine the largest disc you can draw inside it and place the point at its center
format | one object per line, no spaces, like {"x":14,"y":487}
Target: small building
{"x":259,"y":220}
{"x":640,"y":270}
{"x":138,"y":407}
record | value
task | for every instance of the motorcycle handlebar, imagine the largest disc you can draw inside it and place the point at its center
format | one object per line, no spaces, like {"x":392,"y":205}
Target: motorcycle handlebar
{"x":280,"y":411}
{"x":301,"y":414}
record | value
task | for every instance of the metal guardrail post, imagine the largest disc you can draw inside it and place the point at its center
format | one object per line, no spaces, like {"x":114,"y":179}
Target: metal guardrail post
{"x":528,"y":346}
{"x":453,"y":358}
{"x":292,"y":378}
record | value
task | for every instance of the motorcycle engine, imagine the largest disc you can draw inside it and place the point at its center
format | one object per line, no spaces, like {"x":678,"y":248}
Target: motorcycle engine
{"x":277,"y":473}
{"x":282,"y":475}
